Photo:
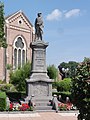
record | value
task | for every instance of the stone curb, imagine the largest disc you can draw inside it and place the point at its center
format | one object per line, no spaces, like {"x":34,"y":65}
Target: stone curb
{"x":36,"y":111}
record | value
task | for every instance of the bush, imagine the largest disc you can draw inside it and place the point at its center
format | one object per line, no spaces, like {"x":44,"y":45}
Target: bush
{"x":18,"y":77}
{"x":63,"y":95}
{"x":2,"y":82}
{"x":2,"y":101}
{"x":16,"y":96}
{"x":54,"y":85}
{"x":81,"y":89}
{"x":8,"y":66}
{"x":7,"y":88}
{"x":52,"y":72}
{"x":64,"y":85}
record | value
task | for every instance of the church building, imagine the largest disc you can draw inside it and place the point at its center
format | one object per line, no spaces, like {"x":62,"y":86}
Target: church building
{"x":19,"y":35}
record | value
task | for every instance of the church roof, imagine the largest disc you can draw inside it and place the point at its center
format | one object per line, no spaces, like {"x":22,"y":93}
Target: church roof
{"x":16,"y":13}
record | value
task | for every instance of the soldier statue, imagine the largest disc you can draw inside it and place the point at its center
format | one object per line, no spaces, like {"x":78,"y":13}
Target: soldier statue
{"x":39,"y":27}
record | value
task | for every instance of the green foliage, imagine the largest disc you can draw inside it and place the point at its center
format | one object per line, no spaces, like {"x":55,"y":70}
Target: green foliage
{"x":2,"y":82}
{"x":81,"y":89}
{"x":7,"y":88}
{"x":63,"y":95}
{"x":30,"y":108}
{"x":52,"y":72}
{"x":27,"y":69}
{"x":71,"y":65}
{"x":2,"y":101}
{"x":18,"y":77}
{"x":64,"y":85}
{"x":2,"y":21}
{"x":86,"y":59}
{"x":4,"y":44}
{"x":54,"y":84}
{"x":8,"y":66}
{"x":67,"y":93}
{"x":63,"y":107}
{"x":16,"y":95}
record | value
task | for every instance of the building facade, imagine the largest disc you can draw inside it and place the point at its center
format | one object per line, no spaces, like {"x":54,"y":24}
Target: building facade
{"x":19,"y":35}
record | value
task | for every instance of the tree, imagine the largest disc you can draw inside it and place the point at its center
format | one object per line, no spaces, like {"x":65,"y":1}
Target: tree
{"x":71,"y":65}
{"x":81,"y":90}
{"x":52,"y":72}
{"x":18,"y":77}
{"x":2,"y":21}
{"x":86,"y":59}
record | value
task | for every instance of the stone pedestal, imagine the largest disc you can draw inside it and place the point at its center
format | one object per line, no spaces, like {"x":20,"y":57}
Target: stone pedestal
{"x":39,"y":83}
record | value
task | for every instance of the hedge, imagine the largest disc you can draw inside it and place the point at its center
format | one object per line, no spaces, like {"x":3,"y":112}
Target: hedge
{"x":2,"y":101}
{"x":15,"y":96}
{"x":64,"y":85}
{"x":63,"y":95}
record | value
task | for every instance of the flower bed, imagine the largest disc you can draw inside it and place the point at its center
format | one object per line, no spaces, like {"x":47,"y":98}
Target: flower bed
{"x":18,"y":107}
{"x":66,"y":106}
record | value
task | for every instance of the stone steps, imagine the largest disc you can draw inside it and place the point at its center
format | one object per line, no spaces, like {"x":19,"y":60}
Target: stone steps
{"x":43,"y":103}
{"x":43,"y":108}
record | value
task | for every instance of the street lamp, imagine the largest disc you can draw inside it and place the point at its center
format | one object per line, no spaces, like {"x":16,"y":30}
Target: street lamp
{"x":65,"y":70}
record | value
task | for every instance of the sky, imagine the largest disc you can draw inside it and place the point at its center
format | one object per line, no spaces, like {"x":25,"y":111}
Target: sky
{"x":66,"y":26}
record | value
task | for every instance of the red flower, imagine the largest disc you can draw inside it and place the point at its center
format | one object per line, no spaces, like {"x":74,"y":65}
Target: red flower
{"x":69,"y":106}
{"x":24,"y":107}
{"x":11,"y":106}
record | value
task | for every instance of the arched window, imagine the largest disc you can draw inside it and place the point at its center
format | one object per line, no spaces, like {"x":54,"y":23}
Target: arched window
{"x":19,"y":52}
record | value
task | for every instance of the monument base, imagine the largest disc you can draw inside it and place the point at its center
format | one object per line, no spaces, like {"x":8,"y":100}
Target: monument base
{"x":39,"y":87}
{"x":41,"y":90}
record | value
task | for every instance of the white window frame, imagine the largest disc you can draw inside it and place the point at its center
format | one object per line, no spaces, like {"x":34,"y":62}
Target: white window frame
{"x":14,"y":47}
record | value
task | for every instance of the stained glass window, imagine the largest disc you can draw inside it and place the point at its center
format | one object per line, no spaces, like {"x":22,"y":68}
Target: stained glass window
{"x":19,"y":58}
{"x":23,"y":56}
{"x":19,"y":52}
{"x":15,"y":58}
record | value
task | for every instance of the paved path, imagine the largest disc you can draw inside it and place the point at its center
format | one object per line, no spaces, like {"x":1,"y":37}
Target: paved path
{"x":39,"y":116}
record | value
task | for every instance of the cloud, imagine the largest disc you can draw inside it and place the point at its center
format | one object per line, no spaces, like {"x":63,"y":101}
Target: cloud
{"x":57,"y":14}
{"x":71,"y":13}
{"x":54,"y":15}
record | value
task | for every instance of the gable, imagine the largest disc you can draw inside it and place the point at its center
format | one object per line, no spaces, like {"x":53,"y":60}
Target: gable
{"x":19,"y":20}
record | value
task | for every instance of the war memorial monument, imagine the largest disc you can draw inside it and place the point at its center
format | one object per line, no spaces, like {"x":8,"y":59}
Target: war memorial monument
{"x":39,"y":86}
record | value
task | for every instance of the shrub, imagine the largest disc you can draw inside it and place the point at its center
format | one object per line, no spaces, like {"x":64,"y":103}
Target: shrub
{"x":18,"y":77}
{"x":2,"y":101}
{"x":8,"y":66}
{"x":16,"y":96}
{"x":63,"y":95}
{"x":64,"y":85}
{"x":2,"y":82}
{"x":52,"y":72}
{"x":7,"y":88}
{"x":54,"y":84}
{"x":81,"y":89}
